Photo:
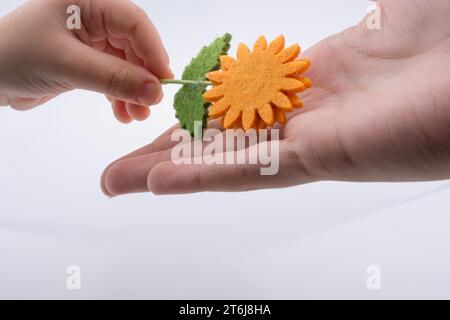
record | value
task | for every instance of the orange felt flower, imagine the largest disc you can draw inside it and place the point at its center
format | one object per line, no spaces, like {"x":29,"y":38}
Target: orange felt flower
{"x":258,"y":88}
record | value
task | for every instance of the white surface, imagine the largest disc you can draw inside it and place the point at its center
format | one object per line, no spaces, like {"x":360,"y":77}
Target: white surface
{"x":313,"y":241}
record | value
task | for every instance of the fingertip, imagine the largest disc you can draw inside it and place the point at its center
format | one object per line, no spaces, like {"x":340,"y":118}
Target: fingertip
{"x":111,"y":181}
{"x":103,"y":187}
{"x":169,"y":73}
{"x":124,"y":119}
{"x":120,"y":112}
{"x":120,"y":178}
{"x":137,"y":112}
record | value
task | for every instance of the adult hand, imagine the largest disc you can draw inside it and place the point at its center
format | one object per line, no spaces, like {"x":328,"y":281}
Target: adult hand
{"x":379,"y":111}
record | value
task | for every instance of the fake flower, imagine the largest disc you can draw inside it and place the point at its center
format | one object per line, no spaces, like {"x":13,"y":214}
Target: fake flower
{"x":259,"y":87}
{"x":255,"y":90}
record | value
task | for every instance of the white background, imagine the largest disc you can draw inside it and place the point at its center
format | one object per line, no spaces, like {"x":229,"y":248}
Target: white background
{"x":313,"y":241}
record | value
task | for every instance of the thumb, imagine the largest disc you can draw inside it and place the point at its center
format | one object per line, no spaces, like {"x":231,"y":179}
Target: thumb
{"x":94,"y":70}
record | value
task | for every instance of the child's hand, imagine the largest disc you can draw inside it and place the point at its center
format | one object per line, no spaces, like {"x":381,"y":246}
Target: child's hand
{"x":117,"y":52}
{"x":379,"y":111}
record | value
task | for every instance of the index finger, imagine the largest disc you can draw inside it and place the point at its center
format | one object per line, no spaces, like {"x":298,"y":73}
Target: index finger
{"x":167,"y":178}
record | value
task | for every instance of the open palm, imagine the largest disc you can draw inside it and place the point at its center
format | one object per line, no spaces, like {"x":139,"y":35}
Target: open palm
{"x":379,"y":111}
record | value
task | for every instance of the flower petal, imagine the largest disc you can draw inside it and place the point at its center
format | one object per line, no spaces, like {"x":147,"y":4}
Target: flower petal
{"x":266,"y":113}
{"x":295,"y":100}
{"x":214,"y":94}
{"x":259,"y":123}
{"x":289,"y":54}
{"x":218,"y":109}
{"x":306,"y":81}
{"x":238,"y":123}
{"x":217,"y":77}
{"x":226,"y":62}
{"x":243,"y":52}
{"x":307,"y":61}
{"x":248,"y":118}
{"x":280,"y":116}
{"x":277,"y":45}
{"x":294,"y":67}
{"x":260,"y":44}
{"x":292,"y":85}
{"x":282,"y":102}
{"x":231,"y":117}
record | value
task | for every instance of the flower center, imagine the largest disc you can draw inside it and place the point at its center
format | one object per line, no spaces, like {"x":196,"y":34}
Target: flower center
{"x":256,"y":80}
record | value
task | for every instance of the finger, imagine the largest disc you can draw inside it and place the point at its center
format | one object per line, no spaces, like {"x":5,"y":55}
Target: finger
{"x":120,"y":111}
{"x":90,"y":69}
{"x":169,"y":178}
{"x":142,"y":161}
{"x":121,"y":50}
{"x":130,"y":175}
{"x":137,"y":112}
{"x":163,"y":142}
{"x":102,"y":19}
{"x":160,"y":144}
{"x":124,"y":45}
{"x":107,"y":48}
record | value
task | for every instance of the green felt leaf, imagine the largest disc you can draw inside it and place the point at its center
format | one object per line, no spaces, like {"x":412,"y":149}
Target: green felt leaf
{"x":189,"y":103}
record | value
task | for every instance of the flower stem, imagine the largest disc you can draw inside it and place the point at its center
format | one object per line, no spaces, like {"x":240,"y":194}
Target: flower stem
{"x":175,"y":81}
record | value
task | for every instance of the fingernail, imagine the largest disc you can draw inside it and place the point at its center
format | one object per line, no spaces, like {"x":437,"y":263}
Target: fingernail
{"x":149,"y":93}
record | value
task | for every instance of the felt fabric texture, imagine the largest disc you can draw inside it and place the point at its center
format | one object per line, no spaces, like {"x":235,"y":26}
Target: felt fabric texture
{"x":189,"y":103}
{"x":259,"y":87}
